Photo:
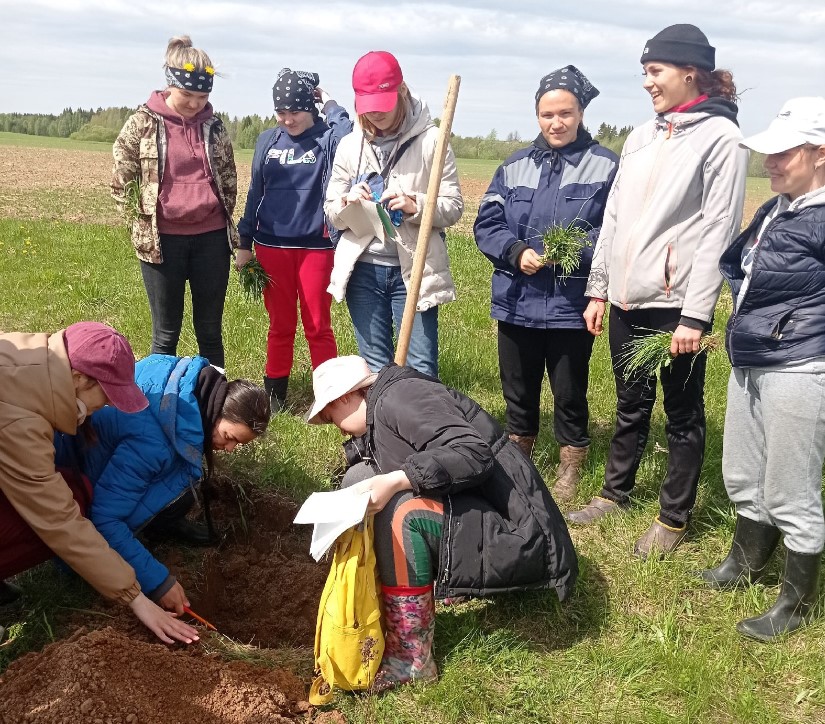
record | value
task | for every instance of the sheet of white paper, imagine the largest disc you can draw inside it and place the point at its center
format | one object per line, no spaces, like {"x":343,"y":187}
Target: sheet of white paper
{"x":332,"y":513}
{"x":362,"y":219}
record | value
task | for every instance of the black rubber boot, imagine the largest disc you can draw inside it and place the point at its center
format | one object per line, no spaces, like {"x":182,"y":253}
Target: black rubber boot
{"x":276,"y":389}
{"x":796,"y":599}
{"x":9,"y":593}
{"x":751,"y":549}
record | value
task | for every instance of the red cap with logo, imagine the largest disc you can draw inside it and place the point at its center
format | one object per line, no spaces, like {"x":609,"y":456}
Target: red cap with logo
{"x":105,"y":355}
{"x":375,"y":80}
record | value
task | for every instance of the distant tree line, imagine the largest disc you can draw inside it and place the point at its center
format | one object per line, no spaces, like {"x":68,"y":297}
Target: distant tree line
{"x":104,"y":124}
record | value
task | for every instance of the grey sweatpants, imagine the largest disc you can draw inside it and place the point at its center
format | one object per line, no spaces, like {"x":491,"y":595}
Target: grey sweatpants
{"x":774,"y":446}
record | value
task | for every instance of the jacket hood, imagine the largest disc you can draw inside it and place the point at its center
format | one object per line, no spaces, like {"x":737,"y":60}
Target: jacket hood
{"x":812,"y":198}
{"x":37,"y":377}
{"x":711,"y":107}
{"x":169,"y":384}
{"x":157,"y":104}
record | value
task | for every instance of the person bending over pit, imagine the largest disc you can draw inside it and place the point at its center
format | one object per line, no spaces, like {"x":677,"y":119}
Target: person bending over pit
{"x":48,"y":383}
{"x":457,"y":504}
{"x":144,"y":467}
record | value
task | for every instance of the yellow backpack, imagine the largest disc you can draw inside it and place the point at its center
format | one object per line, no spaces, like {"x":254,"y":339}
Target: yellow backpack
{"x":349,"y":643}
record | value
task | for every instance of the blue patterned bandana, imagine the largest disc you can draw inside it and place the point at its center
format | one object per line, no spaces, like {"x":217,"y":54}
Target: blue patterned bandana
{"x":191,"y":79}
{"x":571,"y":79}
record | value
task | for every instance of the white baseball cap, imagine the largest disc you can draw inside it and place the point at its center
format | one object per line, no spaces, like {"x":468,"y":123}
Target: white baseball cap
{"x":801,"y":120}
{"x":334,"y":378}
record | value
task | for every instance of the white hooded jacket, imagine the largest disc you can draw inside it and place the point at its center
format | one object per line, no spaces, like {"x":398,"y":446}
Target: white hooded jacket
{"x":675,"y":206}
{"x":409,"y":175}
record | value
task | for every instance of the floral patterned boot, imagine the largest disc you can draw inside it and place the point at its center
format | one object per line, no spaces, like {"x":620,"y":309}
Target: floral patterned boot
{"x":409,"y":626}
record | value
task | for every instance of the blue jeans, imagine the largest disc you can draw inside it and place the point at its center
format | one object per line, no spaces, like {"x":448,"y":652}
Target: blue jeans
{"x":375,"y":297}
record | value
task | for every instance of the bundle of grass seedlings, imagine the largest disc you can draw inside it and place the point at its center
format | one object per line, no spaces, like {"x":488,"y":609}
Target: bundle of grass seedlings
{"x":645,"y":355}
{"x":253,"y":280}
{"x":131,"y":207}
{"x":563,"y":246}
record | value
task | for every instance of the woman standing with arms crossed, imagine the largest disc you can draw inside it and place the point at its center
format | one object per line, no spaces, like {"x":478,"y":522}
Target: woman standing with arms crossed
{"x":775,"y":417}
{"x":284,"y":216}
{"x":562,"y":179}
{"x":674,"y":208}
{"x":390,"y":153}
{"x":174,"y":179}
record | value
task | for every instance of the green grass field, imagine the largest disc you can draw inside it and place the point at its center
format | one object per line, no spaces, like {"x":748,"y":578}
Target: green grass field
{"x":638,"y":642}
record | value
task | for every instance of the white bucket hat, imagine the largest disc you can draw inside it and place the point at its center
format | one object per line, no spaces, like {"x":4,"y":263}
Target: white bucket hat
{"x":335,"y":378}
{"x":801,"y":120}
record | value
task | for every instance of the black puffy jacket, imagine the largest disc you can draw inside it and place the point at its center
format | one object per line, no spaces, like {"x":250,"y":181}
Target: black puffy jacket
{"x":781,"y":318}
{"x":502,"y":530}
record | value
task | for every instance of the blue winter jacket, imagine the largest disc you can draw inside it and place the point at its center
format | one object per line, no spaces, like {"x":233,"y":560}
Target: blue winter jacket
{"x":532,"y":190}
{"x":781,"y":318}
{"x":143,"y":462}
{"x":285,"y":201}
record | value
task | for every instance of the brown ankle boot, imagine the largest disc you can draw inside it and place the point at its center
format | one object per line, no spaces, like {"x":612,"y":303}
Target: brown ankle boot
{"x":525,"y":442}
{"x":571,"y":461}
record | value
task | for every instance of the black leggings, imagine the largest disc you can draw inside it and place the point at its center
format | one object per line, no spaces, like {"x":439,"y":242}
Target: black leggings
{"x":203,"y":259}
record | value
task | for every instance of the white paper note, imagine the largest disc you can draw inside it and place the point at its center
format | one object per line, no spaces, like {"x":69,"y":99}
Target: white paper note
{"x":362,"y":219}
{"x":332,"y":513}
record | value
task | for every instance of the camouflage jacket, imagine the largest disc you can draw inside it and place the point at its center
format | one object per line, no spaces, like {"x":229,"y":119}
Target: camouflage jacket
{"x":140,"y":154}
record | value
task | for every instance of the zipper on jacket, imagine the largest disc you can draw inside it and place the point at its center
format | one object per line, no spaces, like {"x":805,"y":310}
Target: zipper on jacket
{"x":736,"y":307}
{"x":448,"y":508}
{"x":668,"y":277}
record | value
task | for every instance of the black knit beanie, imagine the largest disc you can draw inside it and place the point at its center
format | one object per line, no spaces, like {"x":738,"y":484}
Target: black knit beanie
{"x":681,"y":45}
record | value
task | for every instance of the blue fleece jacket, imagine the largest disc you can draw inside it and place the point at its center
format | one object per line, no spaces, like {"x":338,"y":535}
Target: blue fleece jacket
{"x":285,"y":202}
{"x":532,"y":190}
{"x":143,"y":462}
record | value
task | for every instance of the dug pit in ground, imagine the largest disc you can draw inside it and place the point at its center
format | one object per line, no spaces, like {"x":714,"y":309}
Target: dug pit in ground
{"x":260,"y":586}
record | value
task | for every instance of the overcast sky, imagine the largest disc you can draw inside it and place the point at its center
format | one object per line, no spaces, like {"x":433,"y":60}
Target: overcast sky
{"x":90,"y":53}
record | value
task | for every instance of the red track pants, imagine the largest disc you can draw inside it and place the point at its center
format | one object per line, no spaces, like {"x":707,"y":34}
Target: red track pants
{"x":298,"y":275}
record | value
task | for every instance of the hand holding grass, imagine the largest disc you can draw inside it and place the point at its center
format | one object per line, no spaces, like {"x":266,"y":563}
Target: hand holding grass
{"x":645,"y":355}
{"x":529,"y":262}
{"x":253,"y":280}
{"x":686,"y":340}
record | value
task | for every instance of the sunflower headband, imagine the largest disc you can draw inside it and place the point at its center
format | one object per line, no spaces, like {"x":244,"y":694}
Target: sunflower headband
{"x":191,"y":79}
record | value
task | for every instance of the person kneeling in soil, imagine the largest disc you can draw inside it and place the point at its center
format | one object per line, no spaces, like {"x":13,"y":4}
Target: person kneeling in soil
{"x":457,"y":504}
{"x":144,"y":467}
{"x":48,"y":383}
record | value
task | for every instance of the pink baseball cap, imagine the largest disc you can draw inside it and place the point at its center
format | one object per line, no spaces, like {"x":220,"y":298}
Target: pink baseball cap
{"x":375,"y":80}
{"x":105,"y":355}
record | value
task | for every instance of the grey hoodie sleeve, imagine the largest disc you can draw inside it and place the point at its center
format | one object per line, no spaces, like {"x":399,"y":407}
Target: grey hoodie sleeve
{"x":724,"y":175}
